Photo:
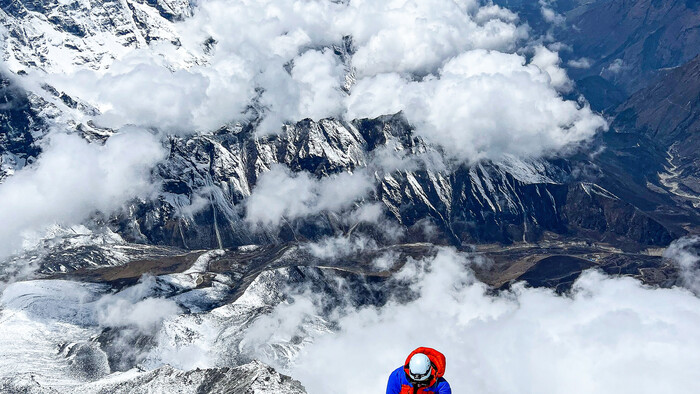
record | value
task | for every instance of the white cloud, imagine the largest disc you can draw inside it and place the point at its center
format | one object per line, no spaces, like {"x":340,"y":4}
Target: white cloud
{"x":135,"y":307}
{"x":73,"y":179}
{"x":448,"y":64}
{"x":583,"y":62}
{"x":411,"y":36}
{"x":549,"y":14}
{"x":610,"y":335}
{"x":484,"y":104}
{"x":368,"y":212}
{"x":186,"y":89}
{"x":281,"y":194}
{"x":340,"y":247}
{"x":313,"y":90}
{"x":142,"y":90}
{"x":549,"y":62}
{"x":320,"y":74}
{"x":685,"y":253}
{"x":614,"y":68}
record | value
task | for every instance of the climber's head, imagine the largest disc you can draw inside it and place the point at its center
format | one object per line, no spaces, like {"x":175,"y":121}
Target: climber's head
{"x":420,"y":369}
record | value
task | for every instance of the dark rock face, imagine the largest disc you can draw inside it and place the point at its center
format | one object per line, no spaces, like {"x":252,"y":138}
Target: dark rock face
{"x":21,"y":125}
{"x":590,"y":207}
{"x":636,"y":38}
{"x":668,"y":111}
{"x":506,"y":202}
{"x":666,"y":117}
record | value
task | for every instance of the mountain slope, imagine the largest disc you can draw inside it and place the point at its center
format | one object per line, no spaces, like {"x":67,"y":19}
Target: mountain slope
{"x":630,"y":42}
{"x":509,"y":201}
{"x":668,"y":113}
{"x":21,"y":127}
{"x":253,"y":378}
{"x":57,"y":35}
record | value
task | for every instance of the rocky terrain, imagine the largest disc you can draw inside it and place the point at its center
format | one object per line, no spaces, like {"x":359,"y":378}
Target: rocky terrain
{"x":250,"y":379}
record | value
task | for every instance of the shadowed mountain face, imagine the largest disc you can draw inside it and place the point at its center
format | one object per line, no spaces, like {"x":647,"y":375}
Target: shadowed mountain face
{"x":667,"y":113}
{"x":650,"y":156}
{"x":509,"y":201}
{"x":630,"y":42}
{"x":21,"y":125}
{"x":627,"y":44}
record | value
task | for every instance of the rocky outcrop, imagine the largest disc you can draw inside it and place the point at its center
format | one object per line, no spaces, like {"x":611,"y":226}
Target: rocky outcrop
{"x":253,"y":378}
{"x":507,"y":201}
{"x":589,"y":207}
{"x":21,"y":127}
{"x":668,"y":111}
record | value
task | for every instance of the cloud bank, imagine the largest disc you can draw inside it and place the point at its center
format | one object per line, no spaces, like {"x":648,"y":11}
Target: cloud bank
{"x":452,"y":66}
{"x":281,"y":194}
{"x":685,"y":254}
{"x":484,"y":105}
{"x":610,"y":335}
{"x":72,"y":179}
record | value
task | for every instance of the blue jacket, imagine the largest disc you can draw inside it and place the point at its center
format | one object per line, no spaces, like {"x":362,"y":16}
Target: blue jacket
{"x":399,"y":384}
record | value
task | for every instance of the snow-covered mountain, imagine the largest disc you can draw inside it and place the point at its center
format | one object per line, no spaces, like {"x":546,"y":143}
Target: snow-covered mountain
{"x":206,"y":178}
{"x":508,"y":201}
{"x":180,"y":287}
{"x":58,"y":35}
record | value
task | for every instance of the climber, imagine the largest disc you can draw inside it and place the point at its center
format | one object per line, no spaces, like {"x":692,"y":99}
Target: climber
{"x":422,"y":373}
